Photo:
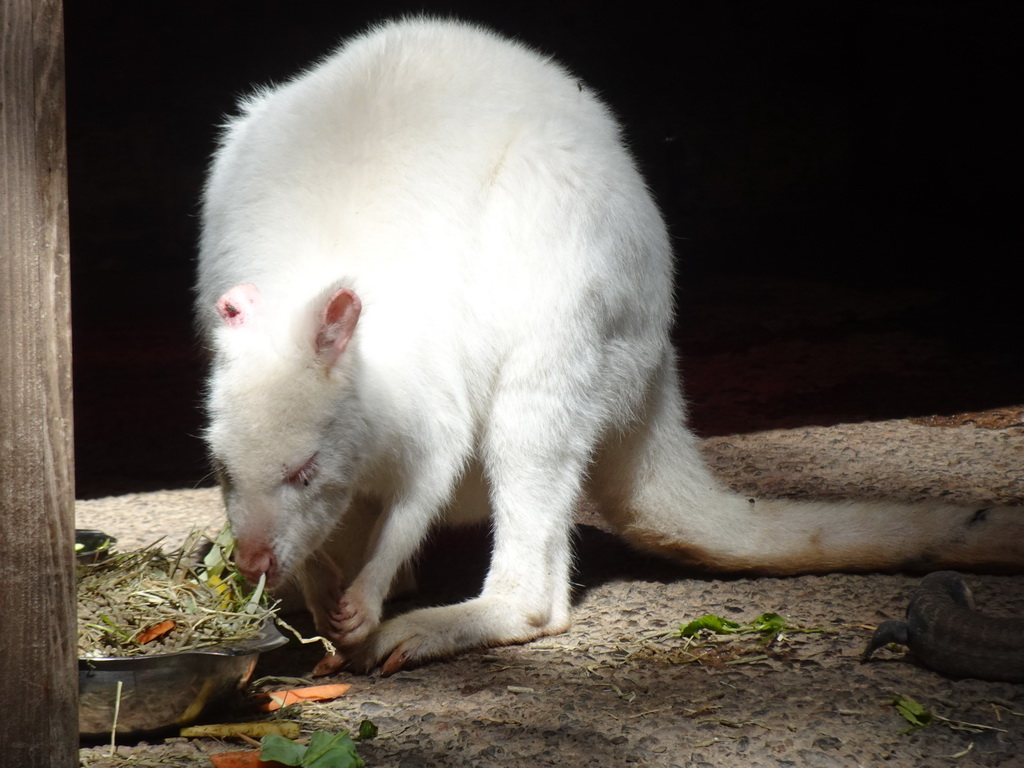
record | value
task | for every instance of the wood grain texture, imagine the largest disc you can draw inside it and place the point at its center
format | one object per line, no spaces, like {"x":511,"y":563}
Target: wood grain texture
{"x":37,"y":597}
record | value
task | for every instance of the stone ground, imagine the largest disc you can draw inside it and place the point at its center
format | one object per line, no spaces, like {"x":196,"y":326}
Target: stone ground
{"x":617,"y":689}
{"x":791,"y":407}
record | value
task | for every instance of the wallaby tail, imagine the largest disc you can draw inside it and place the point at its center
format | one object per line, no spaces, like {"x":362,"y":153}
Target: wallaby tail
{"x":778,"y":537}
{"x":652,"y":485}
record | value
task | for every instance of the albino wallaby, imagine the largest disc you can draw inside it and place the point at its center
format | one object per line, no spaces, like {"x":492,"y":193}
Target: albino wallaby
{"x":436,"y":289}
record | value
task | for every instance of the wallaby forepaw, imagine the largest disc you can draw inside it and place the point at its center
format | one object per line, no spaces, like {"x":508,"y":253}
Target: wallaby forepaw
{"x":352,"y":620}
{"x":427,"y":634}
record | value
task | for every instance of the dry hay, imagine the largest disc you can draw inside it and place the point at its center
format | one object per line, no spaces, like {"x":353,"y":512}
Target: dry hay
{"x":149,"y":601}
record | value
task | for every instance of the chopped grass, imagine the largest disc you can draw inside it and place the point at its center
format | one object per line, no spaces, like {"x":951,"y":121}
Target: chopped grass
{"x":123,"y":598}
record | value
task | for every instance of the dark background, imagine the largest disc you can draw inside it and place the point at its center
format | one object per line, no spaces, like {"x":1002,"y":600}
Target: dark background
{"x":815,"y":161}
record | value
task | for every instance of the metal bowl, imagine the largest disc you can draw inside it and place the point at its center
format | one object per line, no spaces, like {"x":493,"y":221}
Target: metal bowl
{"x":96,"y":545}
{"x":164,"y":690}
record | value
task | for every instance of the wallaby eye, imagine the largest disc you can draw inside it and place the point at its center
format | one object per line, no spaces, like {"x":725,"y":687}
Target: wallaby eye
{"x":303,"y":474}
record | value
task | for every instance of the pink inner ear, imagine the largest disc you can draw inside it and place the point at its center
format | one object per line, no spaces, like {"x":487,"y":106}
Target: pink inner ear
{"x":337,"y":325}
{"x":239,"y":305}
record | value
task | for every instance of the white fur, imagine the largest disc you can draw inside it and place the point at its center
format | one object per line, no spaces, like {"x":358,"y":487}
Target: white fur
{"x":516,"y":281}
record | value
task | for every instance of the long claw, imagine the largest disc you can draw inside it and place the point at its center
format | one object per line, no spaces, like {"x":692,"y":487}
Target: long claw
{"x":396,"y":662}
{"x":329,"y":664}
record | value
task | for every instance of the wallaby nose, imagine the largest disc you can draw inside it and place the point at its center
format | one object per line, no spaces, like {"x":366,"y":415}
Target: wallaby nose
{"x":255,"y":560}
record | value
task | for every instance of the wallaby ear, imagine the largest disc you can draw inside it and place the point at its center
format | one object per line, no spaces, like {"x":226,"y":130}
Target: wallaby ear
{"x":337,"y":324}
{"x":240,"y":305}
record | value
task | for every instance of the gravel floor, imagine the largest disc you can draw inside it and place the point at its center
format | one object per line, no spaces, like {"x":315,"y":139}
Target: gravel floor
{"x":617,"y":690}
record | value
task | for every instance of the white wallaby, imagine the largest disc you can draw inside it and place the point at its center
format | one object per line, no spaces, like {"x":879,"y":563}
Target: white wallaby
{"x":436,"y":289}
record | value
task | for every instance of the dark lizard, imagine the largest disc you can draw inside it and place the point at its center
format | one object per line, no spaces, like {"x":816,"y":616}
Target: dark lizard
{"x":947,"y":634}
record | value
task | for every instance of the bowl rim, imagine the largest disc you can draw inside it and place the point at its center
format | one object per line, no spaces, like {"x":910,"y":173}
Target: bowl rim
{"x":268,"y":638}
{"x":90,"y":537}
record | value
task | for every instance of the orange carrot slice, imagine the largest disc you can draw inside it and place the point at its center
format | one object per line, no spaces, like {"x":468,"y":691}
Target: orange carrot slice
{"x":278,"y":699}
{"x":247,"y":758}
{"x":157,"y":630}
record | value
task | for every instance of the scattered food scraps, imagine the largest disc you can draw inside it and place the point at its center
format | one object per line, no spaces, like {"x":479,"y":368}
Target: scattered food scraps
{"x":278,"y":699}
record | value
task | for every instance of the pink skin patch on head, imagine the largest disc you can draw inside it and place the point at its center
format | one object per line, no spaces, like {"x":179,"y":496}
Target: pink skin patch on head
{"x":239,"y":305}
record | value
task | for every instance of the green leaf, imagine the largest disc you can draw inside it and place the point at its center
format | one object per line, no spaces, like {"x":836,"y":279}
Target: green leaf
{"x":913,"y":713}
{"x":769,"y":625}
{"x":709,"y":622}
{"x":111,"y":627}
{"x":216,"y":560}
{"x":332,"y":750}
{"x":367,"y":730}
{"x":282,"y":750}
{"x":325,"y":750}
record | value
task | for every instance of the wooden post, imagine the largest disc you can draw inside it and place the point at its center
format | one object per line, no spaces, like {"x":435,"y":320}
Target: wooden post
{"x":38,"y":645}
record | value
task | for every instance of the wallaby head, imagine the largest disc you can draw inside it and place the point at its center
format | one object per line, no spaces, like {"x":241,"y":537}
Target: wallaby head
{"x":284,"y":424}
